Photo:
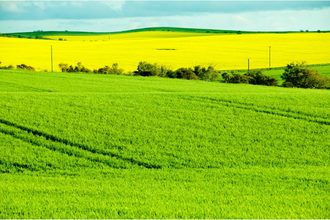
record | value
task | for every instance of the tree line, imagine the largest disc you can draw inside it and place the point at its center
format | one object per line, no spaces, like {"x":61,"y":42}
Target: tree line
{"x":295,"y":74}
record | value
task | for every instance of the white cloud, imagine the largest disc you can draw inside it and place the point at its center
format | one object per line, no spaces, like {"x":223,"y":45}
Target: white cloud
{"x":19,"y":5}
{"x":115,"y":4}
{"x":10,"y":6}
{"x":258,"y":21}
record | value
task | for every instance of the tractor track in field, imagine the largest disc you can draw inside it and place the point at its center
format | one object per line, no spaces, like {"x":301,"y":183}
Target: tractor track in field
{"x":53,"y":147}
{"x":18,"y":166}
{"x":84,"y":148}
{"x":34,"y":89}
{"x":261,"y":109}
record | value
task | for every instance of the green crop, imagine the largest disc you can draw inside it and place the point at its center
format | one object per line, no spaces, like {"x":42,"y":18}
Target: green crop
{"x":105,"y":146}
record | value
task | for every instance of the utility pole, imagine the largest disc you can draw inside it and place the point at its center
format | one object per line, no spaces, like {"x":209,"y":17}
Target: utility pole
{"x":249,"y":65}
{"x":270,"y":57}
{"x":51,"y":58}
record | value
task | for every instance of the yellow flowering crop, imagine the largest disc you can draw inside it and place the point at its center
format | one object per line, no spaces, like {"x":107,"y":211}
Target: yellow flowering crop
{"x":173,"y":49}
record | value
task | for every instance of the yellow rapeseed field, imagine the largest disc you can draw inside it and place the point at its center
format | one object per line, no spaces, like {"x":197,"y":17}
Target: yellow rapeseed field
{"x":173,"y":49}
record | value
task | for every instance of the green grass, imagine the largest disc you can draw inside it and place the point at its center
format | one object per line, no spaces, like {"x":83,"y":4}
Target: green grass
{"x":212,"y":193}
{"x":104,"y":146}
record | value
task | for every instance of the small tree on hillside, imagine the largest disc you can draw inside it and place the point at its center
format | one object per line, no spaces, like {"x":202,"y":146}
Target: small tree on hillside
{"x":299,"y":75}
{"x":146,"y":69}
{"x":63,"y":66}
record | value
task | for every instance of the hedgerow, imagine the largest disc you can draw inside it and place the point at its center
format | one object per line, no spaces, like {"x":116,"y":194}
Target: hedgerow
{"x":198,"y":72}
{"x":254,"y":77}
{"x":6,"y":67}
{"x":295,"y":74}
{"x":114,"y":69}
{"x":78,"y":68}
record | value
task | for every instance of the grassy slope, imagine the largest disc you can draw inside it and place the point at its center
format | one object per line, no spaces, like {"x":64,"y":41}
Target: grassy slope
{"x":225,"y":151}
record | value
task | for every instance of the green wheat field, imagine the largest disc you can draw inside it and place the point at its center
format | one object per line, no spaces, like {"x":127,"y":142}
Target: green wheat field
{"x":99,"y":146}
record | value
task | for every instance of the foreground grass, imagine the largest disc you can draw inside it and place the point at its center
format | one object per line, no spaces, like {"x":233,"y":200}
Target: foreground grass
{"x":210,"y":193}
{"x":96,"y":146}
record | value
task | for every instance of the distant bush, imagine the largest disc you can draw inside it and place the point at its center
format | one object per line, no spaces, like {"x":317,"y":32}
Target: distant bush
{"x":146,"y":69}
{"x":186,"y":73}
{"x":299,"y":75}
{"x":198,"y":72}
{"x":25,"y":67}
{"x":171,"y":74}
{"x":64,"y":67}
{"x":78,"y":68}
{"x":235,"y":78}
{"x":255,"y":77}
{"x":206,"y":73}
{"x":114,"y":69}
{"x":6,"y":67}
{"x":149,"y":69}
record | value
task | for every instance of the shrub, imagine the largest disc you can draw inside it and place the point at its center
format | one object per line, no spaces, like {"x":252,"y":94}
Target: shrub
{"x":6,"y":67}
{"x":149,"y":69}
{"x":25,"y":67}
{"x":186,"y":73}
{"x":256,"y":78}
{"x":204,"y":73}
{"x":78,"y":68}
{"x":146,"y":69}
{"x":171,"y":74}
{"x":64,"y":67}
{"x":299,"y":75}
{"x":114,"y":69}
{"x":235,"y":78}
{"x":163,"y":71}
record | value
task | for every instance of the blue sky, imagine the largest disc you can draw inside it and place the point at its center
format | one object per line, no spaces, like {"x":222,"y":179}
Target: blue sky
{"x":116,"y":15}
